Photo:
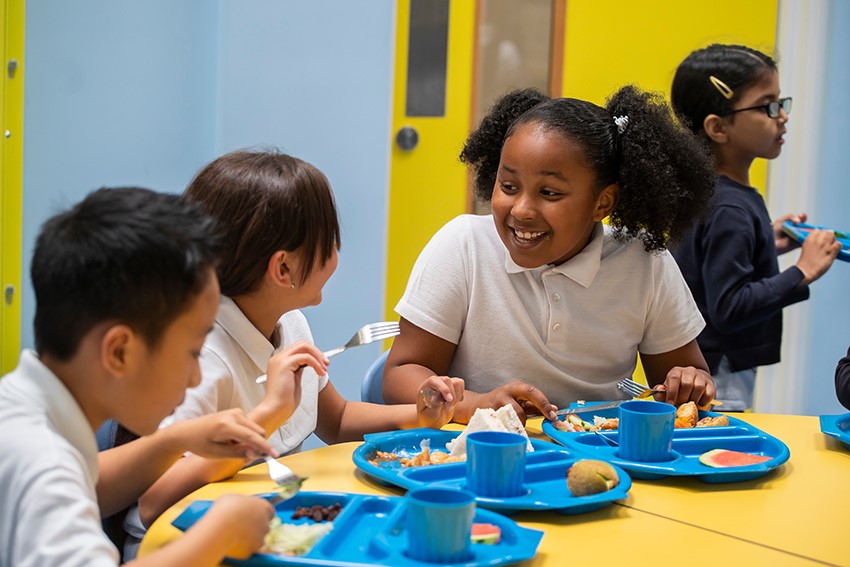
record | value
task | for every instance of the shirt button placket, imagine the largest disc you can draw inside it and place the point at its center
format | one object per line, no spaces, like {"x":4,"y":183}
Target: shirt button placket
{"x":556,"y":338}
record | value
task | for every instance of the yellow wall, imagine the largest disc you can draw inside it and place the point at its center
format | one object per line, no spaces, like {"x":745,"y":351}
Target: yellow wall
{"x":611,"y":43}
{"x":11,"y":173}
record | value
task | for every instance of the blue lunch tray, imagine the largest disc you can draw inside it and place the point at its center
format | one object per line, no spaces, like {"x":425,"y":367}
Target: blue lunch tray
{"x":688,"y":445}
{"x":370,"y":530}
{"x":545,"y":473}
{"x":799,"y":232}
{"x":837,"y":426}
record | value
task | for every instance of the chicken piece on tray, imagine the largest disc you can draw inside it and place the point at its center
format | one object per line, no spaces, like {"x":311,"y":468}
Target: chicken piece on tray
{"x":686,"y":415}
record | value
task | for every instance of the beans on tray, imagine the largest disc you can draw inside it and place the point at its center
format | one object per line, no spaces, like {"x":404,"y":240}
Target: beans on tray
{"x":317,"y":512}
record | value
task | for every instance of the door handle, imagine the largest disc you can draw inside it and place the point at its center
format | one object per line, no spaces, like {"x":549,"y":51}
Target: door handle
{"x":406,"y":138}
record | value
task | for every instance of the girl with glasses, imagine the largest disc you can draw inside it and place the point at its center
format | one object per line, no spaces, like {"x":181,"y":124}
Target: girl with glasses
{"x":729,"y":96}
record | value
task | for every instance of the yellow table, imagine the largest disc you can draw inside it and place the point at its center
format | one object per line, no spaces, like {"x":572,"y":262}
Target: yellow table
{"x":802,"y":507}
{"x":796,"y":515}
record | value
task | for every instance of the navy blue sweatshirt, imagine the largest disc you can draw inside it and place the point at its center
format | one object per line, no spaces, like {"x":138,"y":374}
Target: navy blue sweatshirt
{"x":730,"y":264}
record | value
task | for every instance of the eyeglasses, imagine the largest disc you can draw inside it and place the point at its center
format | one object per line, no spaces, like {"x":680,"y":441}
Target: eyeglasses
{"x":772,"y":108}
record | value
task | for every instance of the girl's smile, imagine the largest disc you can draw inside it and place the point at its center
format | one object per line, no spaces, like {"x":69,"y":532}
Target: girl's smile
{"x":528,"y":238}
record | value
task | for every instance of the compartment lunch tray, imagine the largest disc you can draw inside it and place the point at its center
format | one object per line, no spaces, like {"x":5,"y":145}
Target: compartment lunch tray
{"x":799,"y":232}
{"x":688,"y":445}
{"x":370,"y":530}
{"x":545,"y":473}
{"x":837,"y":426}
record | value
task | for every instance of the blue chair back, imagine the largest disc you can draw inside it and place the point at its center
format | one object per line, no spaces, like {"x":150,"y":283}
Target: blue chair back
{"x":113,"y":526}
{"x":370,"y":387}
{"x":106,"y":435}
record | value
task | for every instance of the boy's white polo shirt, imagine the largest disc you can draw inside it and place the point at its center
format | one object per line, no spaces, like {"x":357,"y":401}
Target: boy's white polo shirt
{"x":234,"y":355}
{"x":48,"y":473}
{"x":572,"y":330}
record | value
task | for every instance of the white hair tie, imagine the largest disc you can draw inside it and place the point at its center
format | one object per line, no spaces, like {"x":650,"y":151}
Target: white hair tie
{"x":621,"y":122}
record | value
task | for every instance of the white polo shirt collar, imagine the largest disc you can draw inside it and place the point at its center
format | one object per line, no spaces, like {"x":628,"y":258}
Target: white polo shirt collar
{"x":244,"y":333}
{"x":47,"y":392}
{"x":581,"y":268}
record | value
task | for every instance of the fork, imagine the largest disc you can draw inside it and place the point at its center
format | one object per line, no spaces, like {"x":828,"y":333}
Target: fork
{"x":365,"y":335}
{"x":638,"y":390}
{"x":607,"y":441}
{"x":635,"y":389}
{"x":288,"y":483}
{"x":368,"y":334}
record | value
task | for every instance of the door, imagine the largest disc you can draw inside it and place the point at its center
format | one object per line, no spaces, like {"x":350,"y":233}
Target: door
{"x":11,"y":174}
{"x":431,"y":113}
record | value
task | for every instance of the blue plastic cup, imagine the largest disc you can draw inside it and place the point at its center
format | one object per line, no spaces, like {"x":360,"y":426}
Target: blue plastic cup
{"x":439,"y":523}
{"x":495,"y":463}
{"x":646,"y":431}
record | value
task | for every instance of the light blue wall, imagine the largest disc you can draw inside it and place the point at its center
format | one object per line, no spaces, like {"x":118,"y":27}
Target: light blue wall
{"x":116,"y":93}
{"x":830,"y":302}
{"x":147,"y":92}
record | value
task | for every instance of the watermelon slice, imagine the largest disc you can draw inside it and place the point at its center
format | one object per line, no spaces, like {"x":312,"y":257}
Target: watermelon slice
{"x":485,"y":533}
{"x":720,"y":458}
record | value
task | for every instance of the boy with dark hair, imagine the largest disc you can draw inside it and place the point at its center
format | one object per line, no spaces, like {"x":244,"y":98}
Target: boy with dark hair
{"x":126,"y":293}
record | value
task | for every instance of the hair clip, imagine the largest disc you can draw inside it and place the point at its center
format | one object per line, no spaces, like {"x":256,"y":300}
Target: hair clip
{"x":722,"y":87}
{"x":621,"y":122}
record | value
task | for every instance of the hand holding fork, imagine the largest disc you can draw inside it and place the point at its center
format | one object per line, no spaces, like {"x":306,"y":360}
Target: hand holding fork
{"x":641,"y":392}
{"x":637,"y":390}
{"x":365,"y":335}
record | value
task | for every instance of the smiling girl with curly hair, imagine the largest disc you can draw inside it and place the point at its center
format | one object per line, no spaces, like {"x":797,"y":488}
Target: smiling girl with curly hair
{"x":542,"y":302}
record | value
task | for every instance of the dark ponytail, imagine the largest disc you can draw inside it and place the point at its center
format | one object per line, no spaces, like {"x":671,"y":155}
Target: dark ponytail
{"x":664,"y":173}
{"x":711,"y":80}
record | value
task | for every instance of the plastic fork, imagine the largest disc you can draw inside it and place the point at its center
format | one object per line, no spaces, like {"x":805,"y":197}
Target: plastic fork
{"x":365,"y":335}
{"x":288,"y":483}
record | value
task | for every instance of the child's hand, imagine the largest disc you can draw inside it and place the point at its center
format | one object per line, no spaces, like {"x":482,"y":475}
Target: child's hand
{"x":437,"y":399}
{"x":820,"y":248}
{"x":525,"y":398}
{"x":228,"y":434}
{"x":283,"y":376}
{"x":784,"y":243}
{"x":685,"y":384}
{"x":241,"y":521}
